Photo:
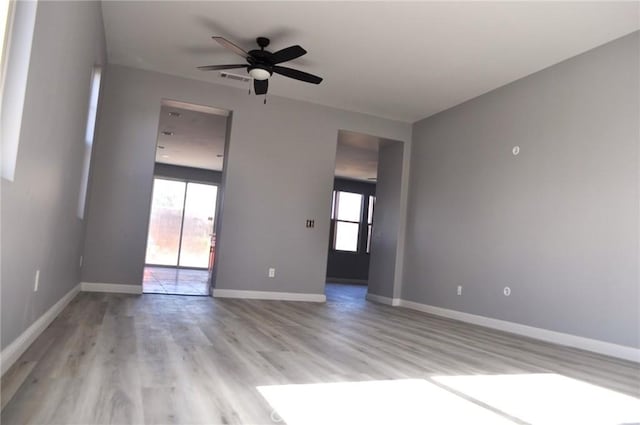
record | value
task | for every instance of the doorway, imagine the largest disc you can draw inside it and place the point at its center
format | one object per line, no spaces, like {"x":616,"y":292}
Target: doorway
{"x":187,"y":187}
{"x":365,"y":217}
{"x":352,"y":212}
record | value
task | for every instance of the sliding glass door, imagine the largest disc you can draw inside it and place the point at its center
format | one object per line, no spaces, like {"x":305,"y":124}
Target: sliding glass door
{"x":197,"y":225}
{"x":165,"y":224}
{"x":181,"y":223}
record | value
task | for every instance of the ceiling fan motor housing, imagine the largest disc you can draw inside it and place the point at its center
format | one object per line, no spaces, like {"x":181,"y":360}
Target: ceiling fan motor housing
{"x":262,"y":42}
{"x":260,"y":61}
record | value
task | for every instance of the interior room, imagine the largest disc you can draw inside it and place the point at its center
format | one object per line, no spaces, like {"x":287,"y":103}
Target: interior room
{"x":187,"y":176}
{"x":320,"y":212}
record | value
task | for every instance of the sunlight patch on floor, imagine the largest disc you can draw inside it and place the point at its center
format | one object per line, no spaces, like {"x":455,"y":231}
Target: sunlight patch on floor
{"x":406,"y":401}
{"x":547,"y":398}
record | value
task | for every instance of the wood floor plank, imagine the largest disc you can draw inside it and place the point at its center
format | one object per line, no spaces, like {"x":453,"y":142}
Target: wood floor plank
{"x":14,"y":378}
{"x":161,"y":359}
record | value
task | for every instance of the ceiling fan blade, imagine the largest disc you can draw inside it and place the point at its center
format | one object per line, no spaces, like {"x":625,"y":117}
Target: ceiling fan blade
{"x":260,"y":86}
{"x":288,"y":54}
{"x":220,"y":67}
{"x":229,"y":45}
{"x":297,"y":75}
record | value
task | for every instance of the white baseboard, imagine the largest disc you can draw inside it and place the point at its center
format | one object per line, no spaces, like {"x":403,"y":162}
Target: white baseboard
{"x":383,"y":300}
{"x":13,"y":351}
{"x":588,"y":344}
{"x":110,"y":287}
{"x":264,"y":295}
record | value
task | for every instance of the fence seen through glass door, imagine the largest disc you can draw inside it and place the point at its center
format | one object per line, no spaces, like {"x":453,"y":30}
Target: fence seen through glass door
{"x":181,"y":223}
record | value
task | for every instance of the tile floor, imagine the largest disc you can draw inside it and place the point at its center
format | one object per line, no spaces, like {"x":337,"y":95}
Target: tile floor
{"x":170,"y":280}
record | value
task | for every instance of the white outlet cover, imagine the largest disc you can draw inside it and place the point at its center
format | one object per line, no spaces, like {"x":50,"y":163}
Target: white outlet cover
{"x":507,"y":291}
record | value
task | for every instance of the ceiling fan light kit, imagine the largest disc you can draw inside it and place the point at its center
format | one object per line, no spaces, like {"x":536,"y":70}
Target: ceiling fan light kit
{"x":259,"y":73}
{"x":262,"y":64}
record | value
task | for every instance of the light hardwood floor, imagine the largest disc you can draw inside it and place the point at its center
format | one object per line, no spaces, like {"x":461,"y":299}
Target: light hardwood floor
{"x":168,"y":359}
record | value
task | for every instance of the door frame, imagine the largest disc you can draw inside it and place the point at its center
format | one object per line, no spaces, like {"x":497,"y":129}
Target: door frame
{"x":221,"y":186}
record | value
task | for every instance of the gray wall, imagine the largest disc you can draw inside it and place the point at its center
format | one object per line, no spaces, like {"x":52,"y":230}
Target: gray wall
{"x":558,"y":223}
{"x":187,"y":173}
{"x":279,"y":173}
{"x":344,"y":266}
{"x":386,"y":221}
{"x":40,"y":227}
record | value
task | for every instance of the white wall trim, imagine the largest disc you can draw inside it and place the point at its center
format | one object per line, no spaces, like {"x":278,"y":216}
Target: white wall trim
{"x":383,"y":300}
{"x":596,"y":346}
{"x":265,"y":295}
{"x":110,"y":287}
{"x":13,"y":351}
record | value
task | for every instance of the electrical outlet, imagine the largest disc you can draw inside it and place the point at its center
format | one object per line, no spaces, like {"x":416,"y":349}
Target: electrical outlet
{"x":272,"y":272}
{"x":37,"y":281}
{"x":459,"y":289}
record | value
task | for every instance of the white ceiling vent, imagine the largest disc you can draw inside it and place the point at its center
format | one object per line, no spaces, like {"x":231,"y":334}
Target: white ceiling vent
{"x":235,"y":77}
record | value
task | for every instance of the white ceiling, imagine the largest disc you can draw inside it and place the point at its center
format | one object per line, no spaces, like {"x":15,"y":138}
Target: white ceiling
{"x":357,"y":156}
{"x":197,"y":141}
{"x":399,"y":60}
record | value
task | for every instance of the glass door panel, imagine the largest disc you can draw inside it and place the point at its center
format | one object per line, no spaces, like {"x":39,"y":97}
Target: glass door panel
{"x":197,"y":228}
{"x":163,"y":244}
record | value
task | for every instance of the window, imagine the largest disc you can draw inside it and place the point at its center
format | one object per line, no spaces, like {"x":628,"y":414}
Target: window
{"x":88,"y":138}
{"x":6,"y":18}
{"x":346,"y":214}
{"x":372,"y":201}
{"x":19,"y":21}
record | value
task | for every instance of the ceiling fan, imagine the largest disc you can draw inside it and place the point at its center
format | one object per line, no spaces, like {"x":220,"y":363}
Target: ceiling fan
{"x":262,"y":64}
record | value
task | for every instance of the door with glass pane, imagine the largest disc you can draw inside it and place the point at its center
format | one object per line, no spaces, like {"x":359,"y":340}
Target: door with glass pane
{"x":181,"y":223}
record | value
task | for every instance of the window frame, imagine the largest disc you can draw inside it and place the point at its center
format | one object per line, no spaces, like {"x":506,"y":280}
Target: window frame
{"x":9,"y":13}
{"x":16,"y":58}
{"x":371,"y":206}
{"x":91,"y":124}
